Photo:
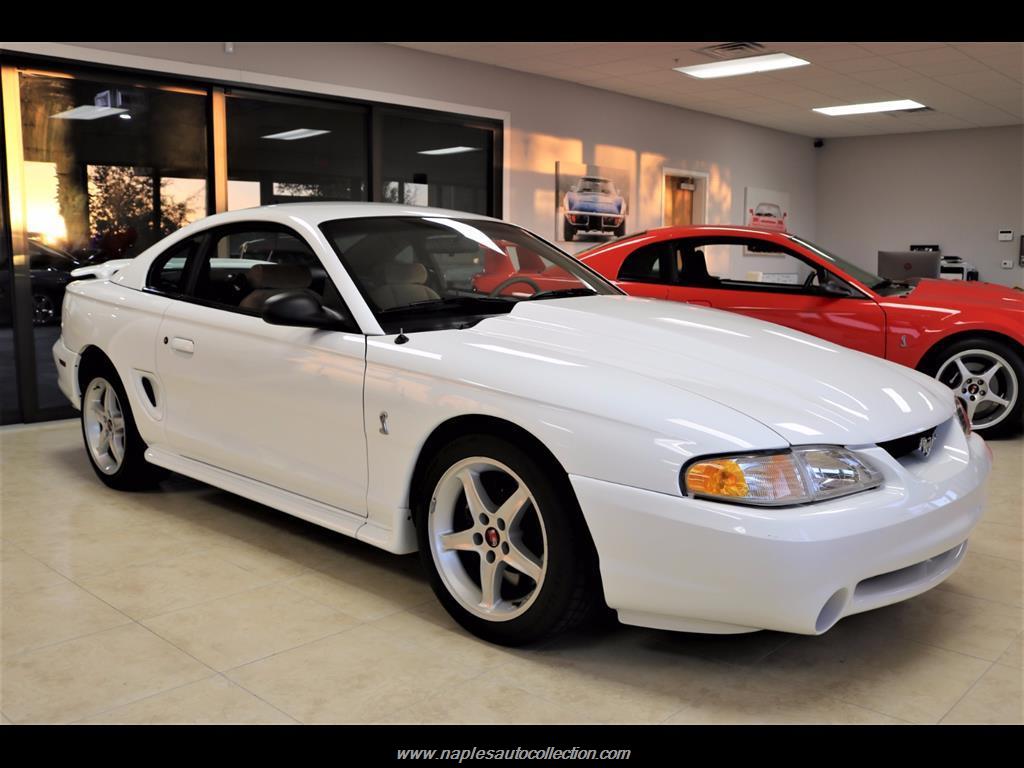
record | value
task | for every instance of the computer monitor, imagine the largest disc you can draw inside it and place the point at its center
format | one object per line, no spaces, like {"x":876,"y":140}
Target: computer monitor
{"x":898,"y":265}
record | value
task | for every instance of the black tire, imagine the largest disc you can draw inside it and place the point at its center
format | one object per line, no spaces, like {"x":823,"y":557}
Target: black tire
{"x":1013,"y":422}
{"x":570,"y":589}
{"x":45,"y":309}
{"x":620,"y":230}
{"x":568,"y":231}
{"x":134,"y":473}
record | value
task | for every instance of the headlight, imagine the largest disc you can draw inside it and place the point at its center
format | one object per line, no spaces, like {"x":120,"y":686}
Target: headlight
{"x":962,"y":415}
{"x":798,"y":476}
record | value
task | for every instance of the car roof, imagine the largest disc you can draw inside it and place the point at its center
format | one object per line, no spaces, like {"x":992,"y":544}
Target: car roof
{"x":693,"y":230}
{"x":321,"y":211}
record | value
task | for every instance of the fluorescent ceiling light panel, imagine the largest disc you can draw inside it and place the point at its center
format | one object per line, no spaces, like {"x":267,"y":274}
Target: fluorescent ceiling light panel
{"x":88,"y":112}
{"x":448,"y":151}
{"x":298,"y":133}
{"x":863,"y":109}
{"x":744,"y":66}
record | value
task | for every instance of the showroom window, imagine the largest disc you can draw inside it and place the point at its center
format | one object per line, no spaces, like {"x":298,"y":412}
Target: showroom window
{"x":100,"y":163}
{"x":284,"y":149}
{"x":99,"y":168}
{"x":435,"y":161}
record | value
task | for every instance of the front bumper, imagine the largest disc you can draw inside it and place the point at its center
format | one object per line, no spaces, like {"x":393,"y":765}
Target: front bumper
{"x":66,"y":362}
{"x":594,"y":221}
{"x":693,"y":565}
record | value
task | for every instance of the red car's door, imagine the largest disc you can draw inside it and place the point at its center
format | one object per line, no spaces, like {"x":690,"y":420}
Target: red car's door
{"x":739,"y":275}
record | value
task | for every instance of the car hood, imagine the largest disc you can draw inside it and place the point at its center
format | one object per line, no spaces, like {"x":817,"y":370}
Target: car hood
{"x":804,"y":389}
{"x":955,"y":294}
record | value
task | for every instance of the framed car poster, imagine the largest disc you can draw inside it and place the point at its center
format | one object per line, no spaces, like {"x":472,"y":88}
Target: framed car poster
{"x":591,"y":202}
{"x":766,"y":208}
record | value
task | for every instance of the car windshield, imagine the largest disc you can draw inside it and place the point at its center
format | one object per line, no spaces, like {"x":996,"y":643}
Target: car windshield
{"x":869,"y":279}
{"x":433,"y":272}
{"x":595,"y":187}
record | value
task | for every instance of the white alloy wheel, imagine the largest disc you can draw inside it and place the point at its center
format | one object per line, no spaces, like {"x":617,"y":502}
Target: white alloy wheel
{"x":487,"y":539}
{"x":104,"y":425}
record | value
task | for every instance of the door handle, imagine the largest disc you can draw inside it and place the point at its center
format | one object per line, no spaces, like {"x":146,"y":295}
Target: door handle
{"x":183,"y":345}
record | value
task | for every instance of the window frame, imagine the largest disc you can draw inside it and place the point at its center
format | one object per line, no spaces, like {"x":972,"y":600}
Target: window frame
{"x":212,"y":235}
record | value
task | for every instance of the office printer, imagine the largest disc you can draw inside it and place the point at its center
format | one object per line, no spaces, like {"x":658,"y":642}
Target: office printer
{"x":955,"y":268}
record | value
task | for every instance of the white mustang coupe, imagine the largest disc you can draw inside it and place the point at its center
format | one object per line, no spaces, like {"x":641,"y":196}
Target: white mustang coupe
{"x":434,"y":380}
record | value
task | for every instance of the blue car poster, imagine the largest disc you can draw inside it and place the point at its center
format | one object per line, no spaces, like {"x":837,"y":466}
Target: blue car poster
{"x":591,"y":202}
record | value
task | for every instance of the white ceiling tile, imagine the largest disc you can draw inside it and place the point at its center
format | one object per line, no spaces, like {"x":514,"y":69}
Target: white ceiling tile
{"x":915,"y":59}
{"x":985,"y":51}
{"x":865,"y":64}
{"x":887,"y":49}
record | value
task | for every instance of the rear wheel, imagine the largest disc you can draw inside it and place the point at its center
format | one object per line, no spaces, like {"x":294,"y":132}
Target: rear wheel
{"x":987,"y":375}
{"x":44,"y":309}
{"x":112,"y":442}
{"x":504,"y":542}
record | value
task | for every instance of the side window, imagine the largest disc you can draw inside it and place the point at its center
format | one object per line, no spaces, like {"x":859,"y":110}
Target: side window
{"x":168,"y":273}
{"x":243,"y":267}
{"x":647,"y":264}
{"x":740,"y":264}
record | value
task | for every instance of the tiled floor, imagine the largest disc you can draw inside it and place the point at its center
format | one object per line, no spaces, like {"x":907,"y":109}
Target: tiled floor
{"x":192,"y":605}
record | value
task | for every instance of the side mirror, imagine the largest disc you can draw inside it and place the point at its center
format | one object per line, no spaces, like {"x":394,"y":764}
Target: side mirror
{"x":833,"y":287}
{"x":304,"y":310}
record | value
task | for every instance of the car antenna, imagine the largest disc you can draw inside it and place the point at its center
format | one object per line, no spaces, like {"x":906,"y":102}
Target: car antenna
{"x":401,"y":338}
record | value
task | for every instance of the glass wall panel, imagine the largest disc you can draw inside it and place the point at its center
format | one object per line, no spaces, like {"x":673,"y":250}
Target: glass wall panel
{"x":109,"y":167}
{"x":285,"y":149}
{"x":441,"y":162}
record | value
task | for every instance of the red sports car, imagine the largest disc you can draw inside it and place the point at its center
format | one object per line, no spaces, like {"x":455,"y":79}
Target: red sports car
{"x":968,"y":335}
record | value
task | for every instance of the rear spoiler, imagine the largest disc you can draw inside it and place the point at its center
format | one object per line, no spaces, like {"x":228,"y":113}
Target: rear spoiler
{"x":103,"y":271}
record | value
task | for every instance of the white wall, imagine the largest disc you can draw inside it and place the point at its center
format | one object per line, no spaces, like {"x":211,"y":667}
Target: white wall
{"x":954,"y":188}
{"x":550,"y":120}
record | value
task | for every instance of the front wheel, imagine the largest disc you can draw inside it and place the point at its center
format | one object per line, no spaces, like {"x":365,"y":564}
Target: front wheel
{"x":504,"y":542}
{"x":987,"y":375}
{"x":568,"y":231}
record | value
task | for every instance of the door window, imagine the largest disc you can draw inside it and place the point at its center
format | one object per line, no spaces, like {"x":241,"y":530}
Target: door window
{"x":242,"y":267}
{"x":742,"y":264}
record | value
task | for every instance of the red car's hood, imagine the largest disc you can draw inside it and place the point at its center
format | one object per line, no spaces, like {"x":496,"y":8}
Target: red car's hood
{"x":954,"y":294}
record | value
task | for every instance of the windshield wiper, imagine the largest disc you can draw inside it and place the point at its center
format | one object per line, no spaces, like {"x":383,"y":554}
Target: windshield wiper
{"x":429,"y":305}
{"x":563,"y":293}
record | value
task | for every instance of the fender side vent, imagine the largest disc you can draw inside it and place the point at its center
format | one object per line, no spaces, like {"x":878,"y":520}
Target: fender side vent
{"x":147,"y":386}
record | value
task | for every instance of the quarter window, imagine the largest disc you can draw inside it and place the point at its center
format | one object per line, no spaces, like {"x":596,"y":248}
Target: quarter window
{"x":169,"y":271}
{"x":647,"y":264}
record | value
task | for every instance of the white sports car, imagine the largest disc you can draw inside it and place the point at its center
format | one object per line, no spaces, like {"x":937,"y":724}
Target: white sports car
{"x":550,"y":446}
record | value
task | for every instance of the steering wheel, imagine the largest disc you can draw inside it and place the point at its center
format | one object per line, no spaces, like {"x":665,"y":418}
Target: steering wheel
{"x":512,"y":281}
{"x":810,"y":279}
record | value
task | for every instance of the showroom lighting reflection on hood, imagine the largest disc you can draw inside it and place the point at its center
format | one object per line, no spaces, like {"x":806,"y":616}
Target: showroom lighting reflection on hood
{"x":874,"y":106}
{"x":87,"y":112}
{"x":448,"y":151}
{"x":745,"y":66}
{"x":298,"y":133}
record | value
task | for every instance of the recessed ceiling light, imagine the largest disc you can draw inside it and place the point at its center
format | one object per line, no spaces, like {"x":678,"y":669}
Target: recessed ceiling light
{"x":874,"y":106}
{"x":744,"y":66}
{"x":87,"y":112}
{"x":298,"y":133}
{"x":448,"y":151}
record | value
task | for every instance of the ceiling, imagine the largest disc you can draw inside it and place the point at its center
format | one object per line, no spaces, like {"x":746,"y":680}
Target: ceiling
{"x":966,"y":84}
